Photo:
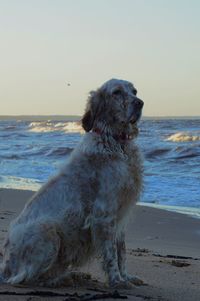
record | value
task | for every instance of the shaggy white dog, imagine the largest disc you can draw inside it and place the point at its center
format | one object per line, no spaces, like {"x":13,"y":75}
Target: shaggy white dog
{"x":83,"y":210}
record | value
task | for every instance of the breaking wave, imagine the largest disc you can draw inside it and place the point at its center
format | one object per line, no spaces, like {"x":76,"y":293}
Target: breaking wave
{"x":59,"y":152}
{"x":157,"y":153}
{"x":49,"y":126}
{"x":184,"y":137}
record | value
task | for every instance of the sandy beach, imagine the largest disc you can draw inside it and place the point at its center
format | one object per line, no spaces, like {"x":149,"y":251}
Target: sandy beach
{"x":163,"y":248}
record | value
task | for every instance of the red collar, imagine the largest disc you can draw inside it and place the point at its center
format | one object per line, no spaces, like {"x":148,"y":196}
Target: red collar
{"x":97,"y":131}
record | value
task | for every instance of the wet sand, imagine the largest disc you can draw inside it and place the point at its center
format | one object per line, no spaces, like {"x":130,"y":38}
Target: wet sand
{"x":163,"y":248}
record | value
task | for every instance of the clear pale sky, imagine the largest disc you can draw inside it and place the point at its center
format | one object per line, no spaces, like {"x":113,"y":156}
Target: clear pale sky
{"x":46,"y":44}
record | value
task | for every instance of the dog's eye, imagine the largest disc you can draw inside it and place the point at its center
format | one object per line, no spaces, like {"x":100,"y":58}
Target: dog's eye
{"x":134,"y":92}
{"x":117,"y":92}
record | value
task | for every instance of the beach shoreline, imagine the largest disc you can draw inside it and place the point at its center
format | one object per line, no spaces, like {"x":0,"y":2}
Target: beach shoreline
{"x":162,"y":248}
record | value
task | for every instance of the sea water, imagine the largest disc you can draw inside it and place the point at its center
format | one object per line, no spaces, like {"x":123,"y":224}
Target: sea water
{"x":32,"y":151}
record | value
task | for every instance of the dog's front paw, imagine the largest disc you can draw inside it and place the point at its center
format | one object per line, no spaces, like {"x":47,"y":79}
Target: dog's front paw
{"x":121,"y":284}
{"x":134,"y":280}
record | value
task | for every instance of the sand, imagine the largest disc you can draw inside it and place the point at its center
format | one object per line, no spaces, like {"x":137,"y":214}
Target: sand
{"x":163,"y":248}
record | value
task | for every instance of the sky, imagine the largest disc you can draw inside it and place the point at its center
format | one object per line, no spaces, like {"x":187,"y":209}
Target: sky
{"x":46,"y":44}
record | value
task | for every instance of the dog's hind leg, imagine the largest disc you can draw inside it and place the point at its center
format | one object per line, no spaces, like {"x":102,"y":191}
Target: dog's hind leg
{"x":33,"y":256}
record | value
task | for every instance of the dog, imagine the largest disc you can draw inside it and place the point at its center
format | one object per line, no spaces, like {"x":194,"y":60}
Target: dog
{"x":83,"y":211}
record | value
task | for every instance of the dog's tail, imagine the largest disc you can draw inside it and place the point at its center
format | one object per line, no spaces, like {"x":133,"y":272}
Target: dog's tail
{"x":2,"y":278}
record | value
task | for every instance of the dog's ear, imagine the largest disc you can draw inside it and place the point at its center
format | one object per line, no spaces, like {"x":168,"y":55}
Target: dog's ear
{"x":87,"y":121}
{"x":93,"y":110}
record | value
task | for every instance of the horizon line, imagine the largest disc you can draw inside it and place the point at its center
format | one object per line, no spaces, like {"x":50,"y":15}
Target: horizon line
{"x":12,"y":115}
{"x":79,"y":116}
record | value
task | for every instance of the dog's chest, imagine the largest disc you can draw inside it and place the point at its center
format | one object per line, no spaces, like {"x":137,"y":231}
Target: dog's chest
{"x":131,"y":182}
{"x":131,"y":186}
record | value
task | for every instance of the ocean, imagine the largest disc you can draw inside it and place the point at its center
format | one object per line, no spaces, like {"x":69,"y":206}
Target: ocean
{"x":33,"y":150}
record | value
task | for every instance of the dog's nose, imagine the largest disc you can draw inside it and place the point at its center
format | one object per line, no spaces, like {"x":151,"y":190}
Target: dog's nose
{"x":139,"y":103}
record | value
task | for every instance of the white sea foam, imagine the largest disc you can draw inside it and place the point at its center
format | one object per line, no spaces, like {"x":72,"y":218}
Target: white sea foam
{"x":73,"y":127}
{"x":191,"y":211}
{"x":19,"y":183}
{"x":184,"y":137}
{"x":48,"y":126}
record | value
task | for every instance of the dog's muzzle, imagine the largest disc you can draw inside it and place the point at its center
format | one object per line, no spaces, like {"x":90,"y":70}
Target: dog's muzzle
{"x":138,"y":103}
{"x":137,"y":106}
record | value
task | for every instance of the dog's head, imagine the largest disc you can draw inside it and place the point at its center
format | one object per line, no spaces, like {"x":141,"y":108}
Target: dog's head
{"x":114,"y":105}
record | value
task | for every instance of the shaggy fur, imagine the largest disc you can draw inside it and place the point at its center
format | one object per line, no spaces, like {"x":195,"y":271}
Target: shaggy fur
{"x":83,"y":210}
